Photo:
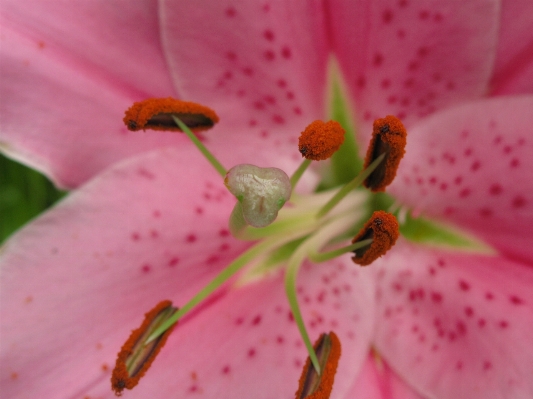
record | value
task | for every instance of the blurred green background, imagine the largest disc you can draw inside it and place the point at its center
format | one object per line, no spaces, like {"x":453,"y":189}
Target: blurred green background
{"x":24,"y":194}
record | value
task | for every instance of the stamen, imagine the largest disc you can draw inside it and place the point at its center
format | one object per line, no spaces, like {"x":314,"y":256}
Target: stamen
{"x":156,"y":114}
{"x":264,"y":246}
{"x":317,"y":240}
{"x":389,"y":138}
{"x":262,"y":192}
{"x":383,"y":229}
{"x":320,"y":140}
{"x":137,"y":355}
{"x":298,"y":173}
{"x":319,"y":386}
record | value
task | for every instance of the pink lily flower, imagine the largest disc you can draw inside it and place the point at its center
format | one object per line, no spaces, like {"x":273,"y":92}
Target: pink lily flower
{"x":148,"y":218}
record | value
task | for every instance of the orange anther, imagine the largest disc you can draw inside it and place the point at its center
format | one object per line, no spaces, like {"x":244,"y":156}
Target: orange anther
{"x":312,"y":385}
{"x":136,"y":356}
{"x":156,"y":114}
{"x":383,"y":229}
{"x":320,"y":140}
{"x":389,"y":137}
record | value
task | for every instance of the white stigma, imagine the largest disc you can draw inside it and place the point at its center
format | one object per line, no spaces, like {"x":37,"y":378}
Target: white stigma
{"x":261,"y":191}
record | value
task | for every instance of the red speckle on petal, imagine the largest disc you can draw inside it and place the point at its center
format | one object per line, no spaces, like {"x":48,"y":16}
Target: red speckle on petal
{"x":286,"y":52}
{"x":278,"y":119}
{"x":251,"y":352}
{"x":378,"y":60}
{"x":413,"y":66}
{"x":489,"y":296}
{"x":475,"y":166}
{"x":256,"y":320}
{"x":387,"y":16}
{"x":423,"y":51}
{"x":146,"y":268}
{"x":224,"y":233}
{"x":495,"y":189}
{"x":268,"y":35}
{"x":173,"y":262}
{"x":485,"y":212}
{"x":230,"y":55}
{"x":464,"y":193}
{"x":515,"y":163}
{"x":503,"y":324}
{"x":436,"y":297}
{"x":226,"y":369}
{"x":518,"y":202}
{"x":135,"y":236}
{"x":269,"y":55}
{"x":191,"y":238}
{"x":516,"y":300}
{"x":290,"y":316}
{"x":461,"y":327}
{"x":487,"y":365}
{"x":464,"y":285}
{"x":231,"y":12}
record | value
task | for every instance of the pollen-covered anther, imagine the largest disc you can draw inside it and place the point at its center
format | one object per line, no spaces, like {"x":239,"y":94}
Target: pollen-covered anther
{"x":320,"y":140}
{"x":315,"y":386}
{"x":388,"y":137}
{"x":383,"y":229}
{"x":136,"y":356}
{"x":156,"y":114}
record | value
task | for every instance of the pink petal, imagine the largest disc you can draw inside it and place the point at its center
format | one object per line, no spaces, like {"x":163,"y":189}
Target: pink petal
{"x":246,"y":345}
{"x":513,"y":72}
{"x":455,"y":325}
{"x":79,"y":278}
{"x":261,"y":66}
{"x":410,"y":58}
{"x":471,"y":165}
{"x":69,"y":71}
{"x":378,"y":381}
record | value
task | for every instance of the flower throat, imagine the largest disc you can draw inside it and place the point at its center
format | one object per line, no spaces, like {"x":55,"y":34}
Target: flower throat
{"x":296,"y":227}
